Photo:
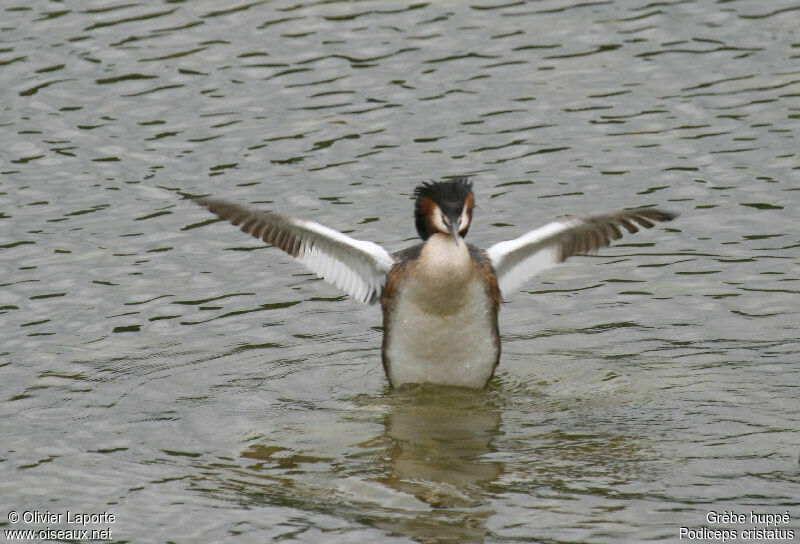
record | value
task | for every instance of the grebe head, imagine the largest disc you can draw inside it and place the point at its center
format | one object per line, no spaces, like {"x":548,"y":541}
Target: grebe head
{"x":444,"y":206}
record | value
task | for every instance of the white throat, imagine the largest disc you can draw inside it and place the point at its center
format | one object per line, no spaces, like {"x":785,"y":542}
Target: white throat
{"x":442,"y":274}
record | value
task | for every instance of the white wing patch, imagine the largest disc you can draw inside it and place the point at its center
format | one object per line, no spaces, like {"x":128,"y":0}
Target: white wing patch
{"x":356,"y":267}
{"x":516,"y":261}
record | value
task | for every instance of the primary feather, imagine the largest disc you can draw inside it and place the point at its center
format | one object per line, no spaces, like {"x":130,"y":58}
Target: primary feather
{"x":356,"y":267}
{"x":516,"y":261}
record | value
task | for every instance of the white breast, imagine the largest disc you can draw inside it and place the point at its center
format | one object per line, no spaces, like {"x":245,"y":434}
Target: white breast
{"x":442,"y":329}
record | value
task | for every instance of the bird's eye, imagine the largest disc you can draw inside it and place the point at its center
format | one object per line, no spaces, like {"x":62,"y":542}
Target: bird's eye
{"x":439,"y":221}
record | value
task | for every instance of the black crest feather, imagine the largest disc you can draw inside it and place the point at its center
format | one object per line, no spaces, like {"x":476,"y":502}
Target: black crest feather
{"x":442,"y":191}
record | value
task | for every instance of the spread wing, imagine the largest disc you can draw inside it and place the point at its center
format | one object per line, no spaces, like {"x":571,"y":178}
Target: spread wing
{"x":356,"y":267}
{"x":516,"y":261}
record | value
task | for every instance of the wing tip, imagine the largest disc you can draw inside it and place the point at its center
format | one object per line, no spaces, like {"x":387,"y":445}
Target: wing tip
{"x":204,"y":201}
{"x":212,"y":204}
{"x":658,"y":214}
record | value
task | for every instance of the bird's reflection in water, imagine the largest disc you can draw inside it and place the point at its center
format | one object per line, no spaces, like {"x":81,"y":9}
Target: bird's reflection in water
{"x":438,"y":440}
{"x":422,"y":477}
{"x":430,"y":472}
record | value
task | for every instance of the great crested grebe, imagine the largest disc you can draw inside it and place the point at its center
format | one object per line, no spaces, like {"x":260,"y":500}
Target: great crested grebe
{"x":440,"y":298}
